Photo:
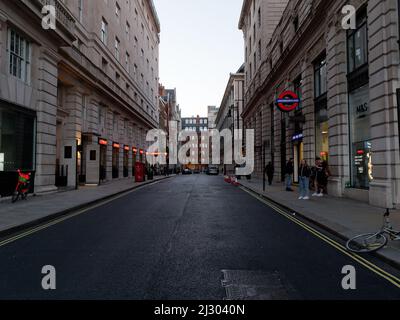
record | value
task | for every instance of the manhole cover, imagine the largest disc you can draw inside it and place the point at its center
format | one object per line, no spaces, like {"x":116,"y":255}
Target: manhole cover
{"x":256,"y":285}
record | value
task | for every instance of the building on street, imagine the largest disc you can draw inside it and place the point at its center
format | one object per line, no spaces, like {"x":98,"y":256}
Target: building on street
{"x":200,"y":150}
{"x":345,"y":79}
{"x":88,"y":91}
{"x":173,"y":114}
{"x":229,"y":113}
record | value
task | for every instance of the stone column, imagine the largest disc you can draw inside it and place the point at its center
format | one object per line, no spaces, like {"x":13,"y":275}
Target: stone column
{"x":46,"y":122}
{"x":337,"y":107}
{"x":384,"y":79}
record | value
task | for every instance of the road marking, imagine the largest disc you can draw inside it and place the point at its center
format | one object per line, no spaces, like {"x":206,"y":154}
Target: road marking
{"x":69,"y":216}
{"x":364,"y":262}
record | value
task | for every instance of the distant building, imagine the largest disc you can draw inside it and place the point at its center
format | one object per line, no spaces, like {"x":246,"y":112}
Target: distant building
{"x":230,"y":111}
{"x":170,"y":111}
{"x":198,"y":125}
{"x":212,"y":115}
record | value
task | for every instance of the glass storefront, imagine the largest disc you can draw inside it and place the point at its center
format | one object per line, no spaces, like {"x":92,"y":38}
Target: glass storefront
{"x":360,"y":145}
{"x":17,"y":139}
{"x":322,"y":133}
{"x":321,"y":108}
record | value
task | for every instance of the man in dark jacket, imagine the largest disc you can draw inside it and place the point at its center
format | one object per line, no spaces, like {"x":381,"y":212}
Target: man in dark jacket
{"x":269,"y":170}
{"x":289,"y":170}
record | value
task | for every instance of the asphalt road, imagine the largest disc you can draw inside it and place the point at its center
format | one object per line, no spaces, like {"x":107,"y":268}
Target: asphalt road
{"x":171,"y":240}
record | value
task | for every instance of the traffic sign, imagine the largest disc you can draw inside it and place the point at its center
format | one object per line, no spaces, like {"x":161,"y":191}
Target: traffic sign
{"x":288,"y":101}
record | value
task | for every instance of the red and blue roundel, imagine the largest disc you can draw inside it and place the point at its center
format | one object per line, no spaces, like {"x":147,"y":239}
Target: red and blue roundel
{"x":288,"y":101}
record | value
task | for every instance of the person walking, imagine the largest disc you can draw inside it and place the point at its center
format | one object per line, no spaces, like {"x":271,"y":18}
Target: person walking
{"x":304,"y":180}
{"x":326,"y":173}
{"x":270,"y":170}
{"x":317,"y":176}
{"x":289,"y":169}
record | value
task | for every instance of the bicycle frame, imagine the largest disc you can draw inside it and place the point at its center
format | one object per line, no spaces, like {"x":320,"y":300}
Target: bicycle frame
{"x":23,"y":182}
{"x":388,"y":228}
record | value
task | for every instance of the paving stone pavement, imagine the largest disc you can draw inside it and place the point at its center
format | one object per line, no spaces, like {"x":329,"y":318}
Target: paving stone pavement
{"x":346,"y":217}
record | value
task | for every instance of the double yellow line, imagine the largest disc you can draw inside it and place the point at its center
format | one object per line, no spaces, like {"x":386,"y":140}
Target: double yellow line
{"x":69,"y":216}
{"x":364,"y":262}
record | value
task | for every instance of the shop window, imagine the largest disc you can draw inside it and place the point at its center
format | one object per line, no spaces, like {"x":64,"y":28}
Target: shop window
{"x":357,"y":42}
{"x":17,"y":142}
{"x":359,"y":113}
{"x":321,"y":108}
{"x":361,"y":147}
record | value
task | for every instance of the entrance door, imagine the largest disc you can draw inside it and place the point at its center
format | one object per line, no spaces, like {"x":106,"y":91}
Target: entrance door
{"x":103,"y":163}
{"x":92,"y":164}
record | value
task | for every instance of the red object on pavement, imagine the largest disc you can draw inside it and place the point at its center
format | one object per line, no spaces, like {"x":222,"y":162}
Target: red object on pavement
{"x":139,"y":172}
{"x":227,"y":179}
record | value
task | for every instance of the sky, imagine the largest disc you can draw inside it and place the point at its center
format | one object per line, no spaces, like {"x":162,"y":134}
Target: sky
{"x":200,"y":46}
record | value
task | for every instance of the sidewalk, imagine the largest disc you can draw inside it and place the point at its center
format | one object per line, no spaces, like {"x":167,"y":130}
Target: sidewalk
{"x":343,"y":217}
{"x":39,"y":209}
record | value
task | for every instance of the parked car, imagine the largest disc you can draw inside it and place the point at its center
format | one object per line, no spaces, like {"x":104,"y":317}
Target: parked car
{"x":213,"y":171}
{"x":187,"y":171}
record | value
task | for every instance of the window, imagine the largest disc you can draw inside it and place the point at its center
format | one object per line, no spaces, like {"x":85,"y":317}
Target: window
{"x":84,"y":114}
{"x":19,"y":50}
{"x":17,"y":139}
{"x":115,"y":124}
{"x":117,"y":42}
{"x":259,"y":17}
{"x":104,"y":31}
{"x":357,"y":43}
{"x":127,"y":62}
{"x":80,"y":10}
{"x":128,"y":31}
{"x":117,"y":11}
{"x":321,"y":108}
{"x":320,"y":78}
{"x":296,"y":23}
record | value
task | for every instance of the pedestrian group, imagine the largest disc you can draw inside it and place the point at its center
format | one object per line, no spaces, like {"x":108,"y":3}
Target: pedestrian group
{"x":314,"y":178}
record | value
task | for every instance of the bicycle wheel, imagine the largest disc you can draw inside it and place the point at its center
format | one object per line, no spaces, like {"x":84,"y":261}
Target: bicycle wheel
{"x":368,"y":242}
{"x":15,"y":197}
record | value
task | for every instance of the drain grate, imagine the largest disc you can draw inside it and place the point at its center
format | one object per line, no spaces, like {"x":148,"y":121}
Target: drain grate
{"x":256,"y":285}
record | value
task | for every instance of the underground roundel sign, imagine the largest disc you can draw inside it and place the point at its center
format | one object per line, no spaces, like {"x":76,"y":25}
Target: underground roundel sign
{"x":288,"y":101}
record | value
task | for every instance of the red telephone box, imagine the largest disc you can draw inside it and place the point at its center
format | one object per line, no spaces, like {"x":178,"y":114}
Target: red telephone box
{"x":139,"y":172}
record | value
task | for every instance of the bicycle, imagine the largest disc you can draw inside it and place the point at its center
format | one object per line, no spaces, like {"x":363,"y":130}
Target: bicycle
{"x":371,"y":242}
{"x":23,"y":186}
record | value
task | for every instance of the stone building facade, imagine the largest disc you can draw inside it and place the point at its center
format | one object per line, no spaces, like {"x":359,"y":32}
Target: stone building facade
{"x":347,"y":81}
{"x":229,"y":113}
{"x":89,"y":88}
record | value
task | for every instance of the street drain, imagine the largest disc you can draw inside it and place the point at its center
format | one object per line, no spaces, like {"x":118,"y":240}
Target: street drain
{"x":256,"y":285}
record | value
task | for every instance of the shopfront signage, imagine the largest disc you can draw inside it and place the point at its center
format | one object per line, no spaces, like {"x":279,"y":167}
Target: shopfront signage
{"x":103,"y":142}
{"x":288,"y":101}
{"x":297,"y":137}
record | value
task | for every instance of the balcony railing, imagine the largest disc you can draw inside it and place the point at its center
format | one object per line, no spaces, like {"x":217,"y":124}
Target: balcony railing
{"x":62,"y":14}
{"x":64,"y":19}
